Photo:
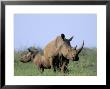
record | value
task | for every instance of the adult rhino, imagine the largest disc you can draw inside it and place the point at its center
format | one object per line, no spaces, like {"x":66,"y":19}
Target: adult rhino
{"x":57,"y":47}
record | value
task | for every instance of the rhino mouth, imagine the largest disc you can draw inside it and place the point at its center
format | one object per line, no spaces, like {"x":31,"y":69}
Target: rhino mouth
{"x":70,"y":58}
{"x":25,"y":61}
{"x":76,"y":58}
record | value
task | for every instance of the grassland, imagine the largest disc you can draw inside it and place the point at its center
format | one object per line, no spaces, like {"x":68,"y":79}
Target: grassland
{"x":86,"y":66}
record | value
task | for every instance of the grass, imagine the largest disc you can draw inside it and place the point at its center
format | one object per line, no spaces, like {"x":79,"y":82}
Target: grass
{"x":86,"y":66}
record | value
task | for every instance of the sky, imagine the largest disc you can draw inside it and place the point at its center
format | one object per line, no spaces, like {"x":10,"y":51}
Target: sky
{"x":39,"y":29}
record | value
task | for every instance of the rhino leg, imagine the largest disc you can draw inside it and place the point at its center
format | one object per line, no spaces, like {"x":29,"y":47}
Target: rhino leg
{"x":66,"y":66}
{"x":66,"y":70}
{"x":58,"y":64}
{"x":40,"y":68}
{"x":62,"y":67}
{"x":52,"y":64}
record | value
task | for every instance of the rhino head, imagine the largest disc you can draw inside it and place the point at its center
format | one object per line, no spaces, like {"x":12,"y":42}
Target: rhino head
{"x":70,"y":53}
{"x":29,"y":55}
{"x":77,"y":51}
{"x":66,"y":51}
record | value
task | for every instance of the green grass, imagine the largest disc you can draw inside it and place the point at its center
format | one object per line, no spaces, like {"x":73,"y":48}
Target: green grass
{"x":86,"y":66}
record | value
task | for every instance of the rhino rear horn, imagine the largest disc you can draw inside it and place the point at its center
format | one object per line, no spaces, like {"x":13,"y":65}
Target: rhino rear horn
{"x":75,"y":47}
{"x":80,"y":49}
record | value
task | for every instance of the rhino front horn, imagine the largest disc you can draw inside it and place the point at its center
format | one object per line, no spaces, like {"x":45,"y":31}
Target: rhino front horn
{"x":79,"y":50}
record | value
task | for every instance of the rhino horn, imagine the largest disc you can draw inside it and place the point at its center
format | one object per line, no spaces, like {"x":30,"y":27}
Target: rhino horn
{"x":75,"y":47}
{"x":79,"y":50}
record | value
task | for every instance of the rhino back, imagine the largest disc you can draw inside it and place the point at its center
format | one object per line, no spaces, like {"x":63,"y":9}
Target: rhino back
{"x":51,"y":48}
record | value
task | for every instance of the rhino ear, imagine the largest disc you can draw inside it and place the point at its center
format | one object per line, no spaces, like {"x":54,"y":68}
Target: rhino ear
{"x":63,"y":36}
{"x":70,"y":38}
{"x":29,"y":49}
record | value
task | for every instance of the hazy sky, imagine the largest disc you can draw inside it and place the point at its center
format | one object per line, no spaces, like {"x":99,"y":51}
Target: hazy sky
{"x":39,"y":29}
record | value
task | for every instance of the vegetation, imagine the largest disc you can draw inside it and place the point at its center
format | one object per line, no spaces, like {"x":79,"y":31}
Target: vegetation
{"x":86,"y":66}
